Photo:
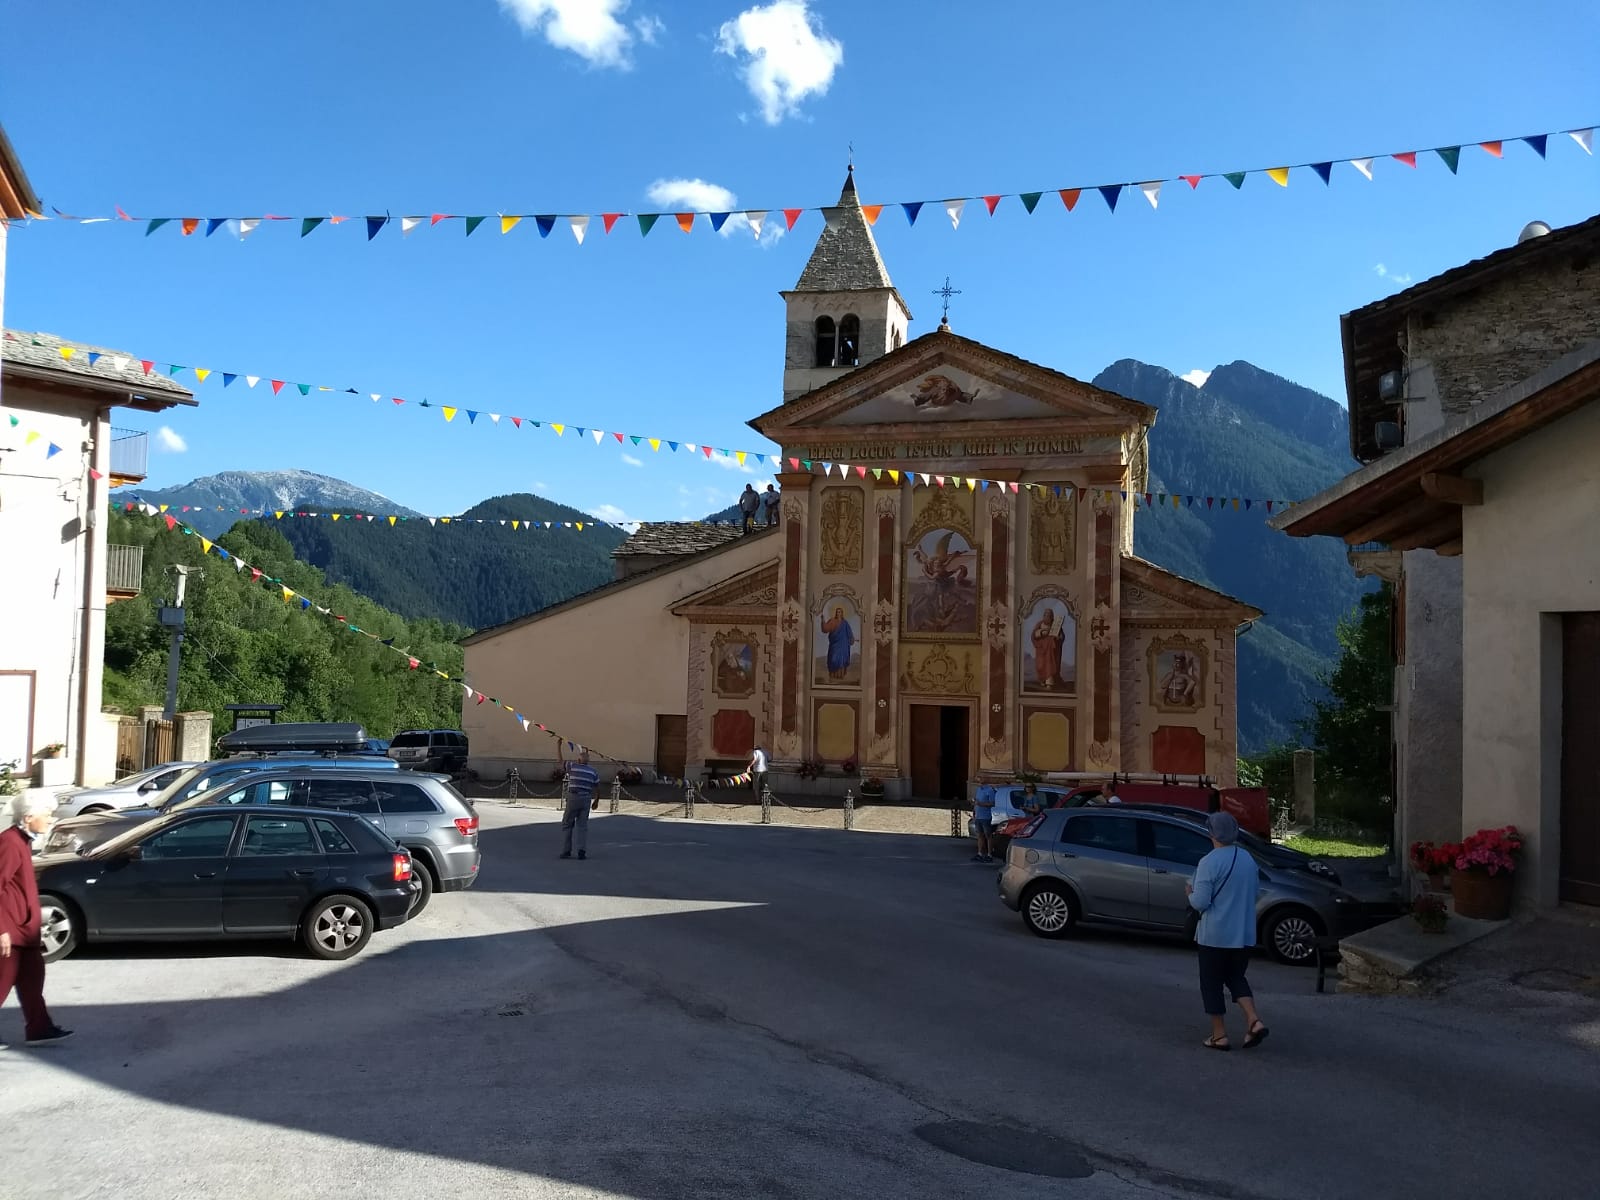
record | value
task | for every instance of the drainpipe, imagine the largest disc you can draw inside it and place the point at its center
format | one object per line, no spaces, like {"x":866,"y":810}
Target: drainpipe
{"x":99,"y":455}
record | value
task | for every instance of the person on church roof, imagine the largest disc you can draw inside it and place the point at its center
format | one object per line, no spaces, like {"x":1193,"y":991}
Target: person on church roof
{"x":749,"y":504}
{"x":769,"y":505}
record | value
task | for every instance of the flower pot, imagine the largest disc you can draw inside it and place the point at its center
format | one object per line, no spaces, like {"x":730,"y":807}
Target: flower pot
{"x":1438,"y":883}
{"x":1482,"y":896}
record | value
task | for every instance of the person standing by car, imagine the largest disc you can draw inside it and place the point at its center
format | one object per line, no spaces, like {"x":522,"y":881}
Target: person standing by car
{"x":21,"y":955}
{"x":1031,"y":804}
{"x":1223,"y":892}
{"x":982,"y":820}
{"x":581,"y":781}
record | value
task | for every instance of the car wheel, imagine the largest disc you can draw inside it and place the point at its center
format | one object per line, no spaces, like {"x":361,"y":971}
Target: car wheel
{"x":60,"y":928}
{"x":1049,"y":910}
{"x":1289,"y":933}
{"x":419,"y":899}
{"x":337,"y":927}
{"x":90,"y":810}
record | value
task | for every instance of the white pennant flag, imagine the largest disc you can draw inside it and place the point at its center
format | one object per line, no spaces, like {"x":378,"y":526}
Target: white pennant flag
{"x":238,"y":563}
{"x":580,"y":226}
{"x":844,"y":470}
{"x":118,"y":362}
{"x":926,"y":479}
{"x":495,"y":417}
{"x":247,"y":226}
{"x":1364,"y":165}
{"x":690,"y":447}
{"x":1584,"y":138}
{"x":598,"y":434}
{"x":756,"y":219}
{"x":832,"y":216}
{"x":524,"y":721}
{"x":1152,"y":192}
{"x":407,"y":224}
{"x":953,"y":208}
{"x":466,"y":689}
{"x":430,"y":520}
{"x":252,"y":380}
{"x":376,"y":396}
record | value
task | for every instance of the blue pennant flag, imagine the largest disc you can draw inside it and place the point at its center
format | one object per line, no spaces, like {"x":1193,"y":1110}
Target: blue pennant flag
{"x":545,"y":224}
{"x":228,"y":377}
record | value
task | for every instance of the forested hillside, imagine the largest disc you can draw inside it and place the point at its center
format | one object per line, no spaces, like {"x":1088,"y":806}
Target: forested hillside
{"x":245,"y":645}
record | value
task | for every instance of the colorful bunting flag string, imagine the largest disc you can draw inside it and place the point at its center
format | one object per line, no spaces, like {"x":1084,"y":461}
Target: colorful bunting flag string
{"x":755,"y":219}
{"x":386,"y":520}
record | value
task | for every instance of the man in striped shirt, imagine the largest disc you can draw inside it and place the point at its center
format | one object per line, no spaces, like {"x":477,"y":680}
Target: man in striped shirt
{"x":581,"y":782}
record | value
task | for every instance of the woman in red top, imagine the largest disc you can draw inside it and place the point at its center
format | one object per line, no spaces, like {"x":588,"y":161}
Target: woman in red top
{"x":21,"y":958}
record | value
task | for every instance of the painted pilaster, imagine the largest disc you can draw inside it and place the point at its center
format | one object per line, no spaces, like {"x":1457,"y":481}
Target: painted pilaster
{"x":997,"y":710}
{"x":794,"y":622}
{"x":879,"y":676}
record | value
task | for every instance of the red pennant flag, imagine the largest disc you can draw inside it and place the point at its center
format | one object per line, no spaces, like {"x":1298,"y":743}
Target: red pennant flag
{"x":1192,"y":180}
{"x":861,"y":472}
{"x":1409,"y":158}
{"x":437,"y":217}
{"x":619,"y":437}
{"x":991,"y":202}
{"x":120,"y":214}
{"x":190,"y":224}
{"x":480,"y":697}
{"x":255,"y":574}
{"x":397,"y":399}
{"x":608,"y":220}
{"x":171,"y":521}
{"x":791,"y":215}
{"x":147,"y":363}
{"x":277,"y":386}
{"x":517,"y":421}
{"x":1069,"y":197}
{"x":794,"y":464}
{"x":93,"y":474}
{"x":1493,"y":148}
{"x":412,"y":663}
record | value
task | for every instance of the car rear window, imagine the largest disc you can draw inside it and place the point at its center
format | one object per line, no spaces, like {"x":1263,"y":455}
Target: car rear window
{"x":404,"y":741}
{"x":272,"y":836}
{"x":352,"y":795}
{"x":333,"y":838}
{"x":404,"y":798}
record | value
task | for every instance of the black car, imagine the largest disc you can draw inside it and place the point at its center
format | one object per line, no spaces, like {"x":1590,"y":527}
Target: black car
{"x":328,"y":878}
{"x":440,"y":751}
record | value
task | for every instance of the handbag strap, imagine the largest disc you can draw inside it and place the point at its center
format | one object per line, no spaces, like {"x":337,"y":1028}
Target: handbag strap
{"x":1231,"y":864}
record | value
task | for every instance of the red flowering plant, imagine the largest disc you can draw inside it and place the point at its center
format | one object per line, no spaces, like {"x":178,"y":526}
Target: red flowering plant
{"x":1494,"y":850}
{"x":1429,"y":859}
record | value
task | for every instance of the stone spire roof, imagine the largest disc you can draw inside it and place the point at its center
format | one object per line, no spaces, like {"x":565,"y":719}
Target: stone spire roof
{"x":846,"y":258}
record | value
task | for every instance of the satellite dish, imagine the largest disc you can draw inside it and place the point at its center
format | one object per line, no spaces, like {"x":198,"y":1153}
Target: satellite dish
{"x":1532,"y":229}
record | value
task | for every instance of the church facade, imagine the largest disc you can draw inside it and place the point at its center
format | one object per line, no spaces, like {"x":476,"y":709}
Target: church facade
{"x":950,"y":594}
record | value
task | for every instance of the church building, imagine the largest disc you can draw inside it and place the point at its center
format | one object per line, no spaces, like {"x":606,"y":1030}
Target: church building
{"x":898,"y":621}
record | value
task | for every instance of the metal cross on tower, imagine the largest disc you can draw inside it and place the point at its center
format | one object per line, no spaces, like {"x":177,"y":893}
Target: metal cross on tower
{"x":946,"y":292}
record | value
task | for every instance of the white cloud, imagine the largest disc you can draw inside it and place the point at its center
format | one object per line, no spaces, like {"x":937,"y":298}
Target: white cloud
{"x":728,"y":463}
{"x":541,"y":486}
{"x":1383,"y":272}
{"x":169,"y":440}
{"x":610,"y":512}
{"x":787,"y":56}
{"x":632,"y":461}
{"x":1196,"y":377}
{"x":691,"y":195}
{"x":590,"y":29}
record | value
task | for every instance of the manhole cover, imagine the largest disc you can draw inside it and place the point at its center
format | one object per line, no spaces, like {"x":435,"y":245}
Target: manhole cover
{"x":1008,"y":1148}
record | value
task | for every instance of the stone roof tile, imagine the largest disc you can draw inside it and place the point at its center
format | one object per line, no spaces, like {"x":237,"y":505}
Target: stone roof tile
{"x":846,"y":257}
{"x":42,"y":351}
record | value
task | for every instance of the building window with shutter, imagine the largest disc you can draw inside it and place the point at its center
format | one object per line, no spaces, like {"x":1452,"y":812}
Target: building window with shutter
{"x":825,"y":342}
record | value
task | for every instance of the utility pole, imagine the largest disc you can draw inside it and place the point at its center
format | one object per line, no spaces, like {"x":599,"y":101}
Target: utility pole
{"x":172,"y":618}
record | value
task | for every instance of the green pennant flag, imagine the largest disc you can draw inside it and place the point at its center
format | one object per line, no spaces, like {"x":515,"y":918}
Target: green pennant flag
{"x":634,"y":437}
{"x":307,"y":224}
{"x":1029,"y":199}
{"x":473,"y":223}
{"x":1235,"y":177}
{"x":173,"y":369}
{"x":806,"y":463}
{"x":155,"y":224}
{"x":646,"y":223}
{"x":305,"y":388}
{"x":1451,"y":156}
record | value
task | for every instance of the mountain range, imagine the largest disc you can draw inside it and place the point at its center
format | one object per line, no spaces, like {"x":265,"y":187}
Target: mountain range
{"x":1244,"y":432}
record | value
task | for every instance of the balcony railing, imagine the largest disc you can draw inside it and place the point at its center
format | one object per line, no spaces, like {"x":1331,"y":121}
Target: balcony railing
{"x":124,"y":571}
{"x":130,"y":455}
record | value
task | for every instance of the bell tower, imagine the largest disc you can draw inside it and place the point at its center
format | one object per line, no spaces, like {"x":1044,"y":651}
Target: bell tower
{"x":845,"y":311}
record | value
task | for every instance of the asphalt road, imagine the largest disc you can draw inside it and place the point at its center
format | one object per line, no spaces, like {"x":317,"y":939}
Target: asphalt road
{"x":703,"y":1010}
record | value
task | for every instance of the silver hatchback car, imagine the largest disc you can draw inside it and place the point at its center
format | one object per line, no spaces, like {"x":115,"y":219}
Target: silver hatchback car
{"x":1128,"y":867}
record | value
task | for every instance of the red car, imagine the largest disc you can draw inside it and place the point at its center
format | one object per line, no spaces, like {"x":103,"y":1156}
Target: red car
{"x":1248,"y":805}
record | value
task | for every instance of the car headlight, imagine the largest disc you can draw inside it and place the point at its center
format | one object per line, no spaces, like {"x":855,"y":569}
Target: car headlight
{"x":1323,"y":869}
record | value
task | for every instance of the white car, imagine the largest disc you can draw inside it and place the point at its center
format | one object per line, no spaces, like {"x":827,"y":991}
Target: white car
{"x":129,"y":792}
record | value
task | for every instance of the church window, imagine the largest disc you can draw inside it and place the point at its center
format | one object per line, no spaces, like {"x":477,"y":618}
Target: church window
{"x":825,"y":341}
{"x":895,"y":341}
{"x":849,"y":341}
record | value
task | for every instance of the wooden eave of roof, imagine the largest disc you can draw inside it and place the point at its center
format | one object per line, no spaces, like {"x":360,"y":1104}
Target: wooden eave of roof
{"x":116,"y":393}
{"x":17,"y":198}
{"x":1205,"y":602}
{"x":1412,"y":499}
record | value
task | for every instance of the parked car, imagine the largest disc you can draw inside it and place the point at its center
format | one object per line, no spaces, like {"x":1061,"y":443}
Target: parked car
{"x":435,"y":823}
{"x":1122,"y":865}
{"x":1249,"y":806}
{"x":131,"y":791}
{"x":441,"y":750}
{"x":329,"y":878}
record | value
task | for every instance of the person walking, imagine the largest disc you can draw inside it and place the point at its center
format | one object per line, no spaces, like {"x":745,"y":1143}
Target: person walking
{"x":580,"y":783}
{"x":1223,"y":892}
{"x":749,"y":505}
{"x":758,"y":771}
{"x":21,"y":955}
{"x":983,"y":820}
{"x":769,"y":505}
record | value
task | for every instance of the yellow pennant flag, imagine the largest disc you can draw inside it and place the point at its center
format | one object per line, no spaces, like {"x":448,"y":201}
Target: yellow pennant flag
{"x":335,"y":516}
{"x":507,"y":224}
{"x":33,"y":436}
{"x":440,"y":673}
{"x":1279,"y":175}
{"x":1236,"y":504}
{"x":287,"y":595}
{"x":200,"y":373}
{"x":205,"y":546}
{"x":655,"y":444}
{"x":972,"y":485}
{"x":515,"y":523}
{"x":66,"y":352}
{"x":449,"y":413}
{"x":444,"y":520}
{"x":278,"y":515}
{"x":739,"y":454}
{"x":894,"y":475}
{"x":1175,"y":501}
{"x":560,"y":429}
{"x":580,"y":526}
{"x":391,"y":520}
{"x":163,"y":508}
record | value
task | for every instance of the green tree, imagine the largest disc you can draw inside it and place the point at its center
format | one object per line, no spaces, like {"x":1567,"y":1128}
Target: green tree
{"x":1350,"y":727}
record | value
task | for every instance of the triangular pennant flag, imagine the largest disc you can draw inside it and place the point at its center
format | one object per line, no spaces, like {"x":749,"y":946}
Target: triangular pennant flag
{"x":155,"y":224}
{"x":495,"y":417}
{"x":1152,"y":191}
{"x":632,"y":437}
{"x":1324,"y":171}
{"x":1111,"y":192}
{"x":894,"y":475}
{"x":685,"y":221}
{"x":228,"y":378}
{"x":545,"y":224}
{"x":598,"y":435}
{"x":174,"y":368}
{"x":647,"y":222}
{"x":307,"y":224}
{"x":718,"y":220}
{"x":755,"y":221}
{"x":991,"y":203}
{"x":52,"y":450}
{"x":473,"y":223}
{"x":1192,"y":180}
{"x":872,"y":212}
{"x":953,"y":210}
{"x":1236,"y":178}
{"x":1069,"y":197}
{"x":861,"y":472}
{"x":1409,"y":157}
{"x":560,"y":429}
{"x":200,"y":373}
{"x":407,"y":224}
{"x":1585,"y":139}
{"x":911,"y":211}
{"x":609,"y":219}
{"x":277,"y":386}
{"x":707,"y":450}
{"x":437,"y":217}
{"x":94,"y":357}
{"x":1030,"y":200}
{"x":190,"y":224}
{"x":391,"y":520}
{"x":472,"y":417}
{"x":252,"y":380}
{"x":1451,"y":155}
{"x":507,"y":224}
{"x":1538,"y":141}
{"x":517,"y":421}
{"x":790,"y":216}
{"x":1496,"y":149}
{"x":212,"y":223}
{"x":655,"y":444}
{"x":1279,"y":175}
{"x":305,"y":388}
{"x":832,"y":216}
{"x":674,"y":445}
{"x":66,"y":352}
{"x":449,"y":413}
{"x":579,"y":226}
{"x":1364,"y":165}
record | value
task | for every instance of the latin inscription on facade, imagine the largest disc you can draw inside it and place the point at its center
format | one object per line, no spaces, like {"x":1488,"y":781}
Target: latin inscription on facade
{"x":959,"y":449}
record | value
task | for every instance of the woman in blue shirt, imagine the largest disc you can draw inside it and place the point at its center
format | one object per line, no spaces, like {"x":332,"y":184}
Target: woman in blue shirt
{"x":1223,"y":892}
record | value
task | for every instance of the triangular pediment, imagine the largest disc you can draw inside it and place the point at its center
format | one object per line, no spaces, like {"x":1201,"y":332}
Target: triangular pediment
{"x":941,"y":380}
{"x":747,"y":593}
{"x":1154,"y":593}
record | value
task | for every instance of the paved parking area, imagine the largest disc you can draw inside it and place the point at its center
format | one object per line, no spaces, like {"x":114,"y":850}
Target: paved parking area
{"x":706,"y":1010}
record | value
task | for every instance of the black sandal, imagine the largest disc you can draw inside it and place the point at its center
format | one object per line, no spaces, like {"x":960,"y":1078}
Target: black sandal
{"x":1215,"y":1043}
{"x":1256,"y":1035}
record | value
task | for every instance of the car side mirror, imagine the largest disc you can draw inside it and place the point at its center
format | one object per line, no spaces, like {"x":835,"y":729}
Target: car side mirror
{"x":133,"y":854}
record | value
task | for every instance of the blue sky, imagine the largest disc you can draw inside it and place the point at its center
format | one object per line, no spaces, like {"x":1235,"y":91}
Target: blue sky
{"x":482,"y":106}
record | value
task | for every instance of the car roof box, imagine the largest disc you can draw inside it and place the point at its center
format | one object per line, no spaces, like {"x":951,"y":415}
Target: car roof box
{"x":310,"y":737}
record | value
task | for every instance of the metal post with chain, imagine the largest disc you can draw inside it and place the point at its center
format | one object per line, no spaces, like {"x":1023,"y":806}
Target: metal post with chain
{"x":955,"y":817}
{"x":849,"y":809}
{"x":688,"y":801}
{"x":766,"y":806}
{"x":616,"y":794}
{"x":514,"y":778}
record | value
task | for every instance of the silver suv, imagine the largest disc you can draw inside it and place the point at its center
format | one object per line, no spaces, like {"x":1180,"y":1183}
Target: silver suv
{"x":422,"y":813}
{"x":1128,"y":867}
